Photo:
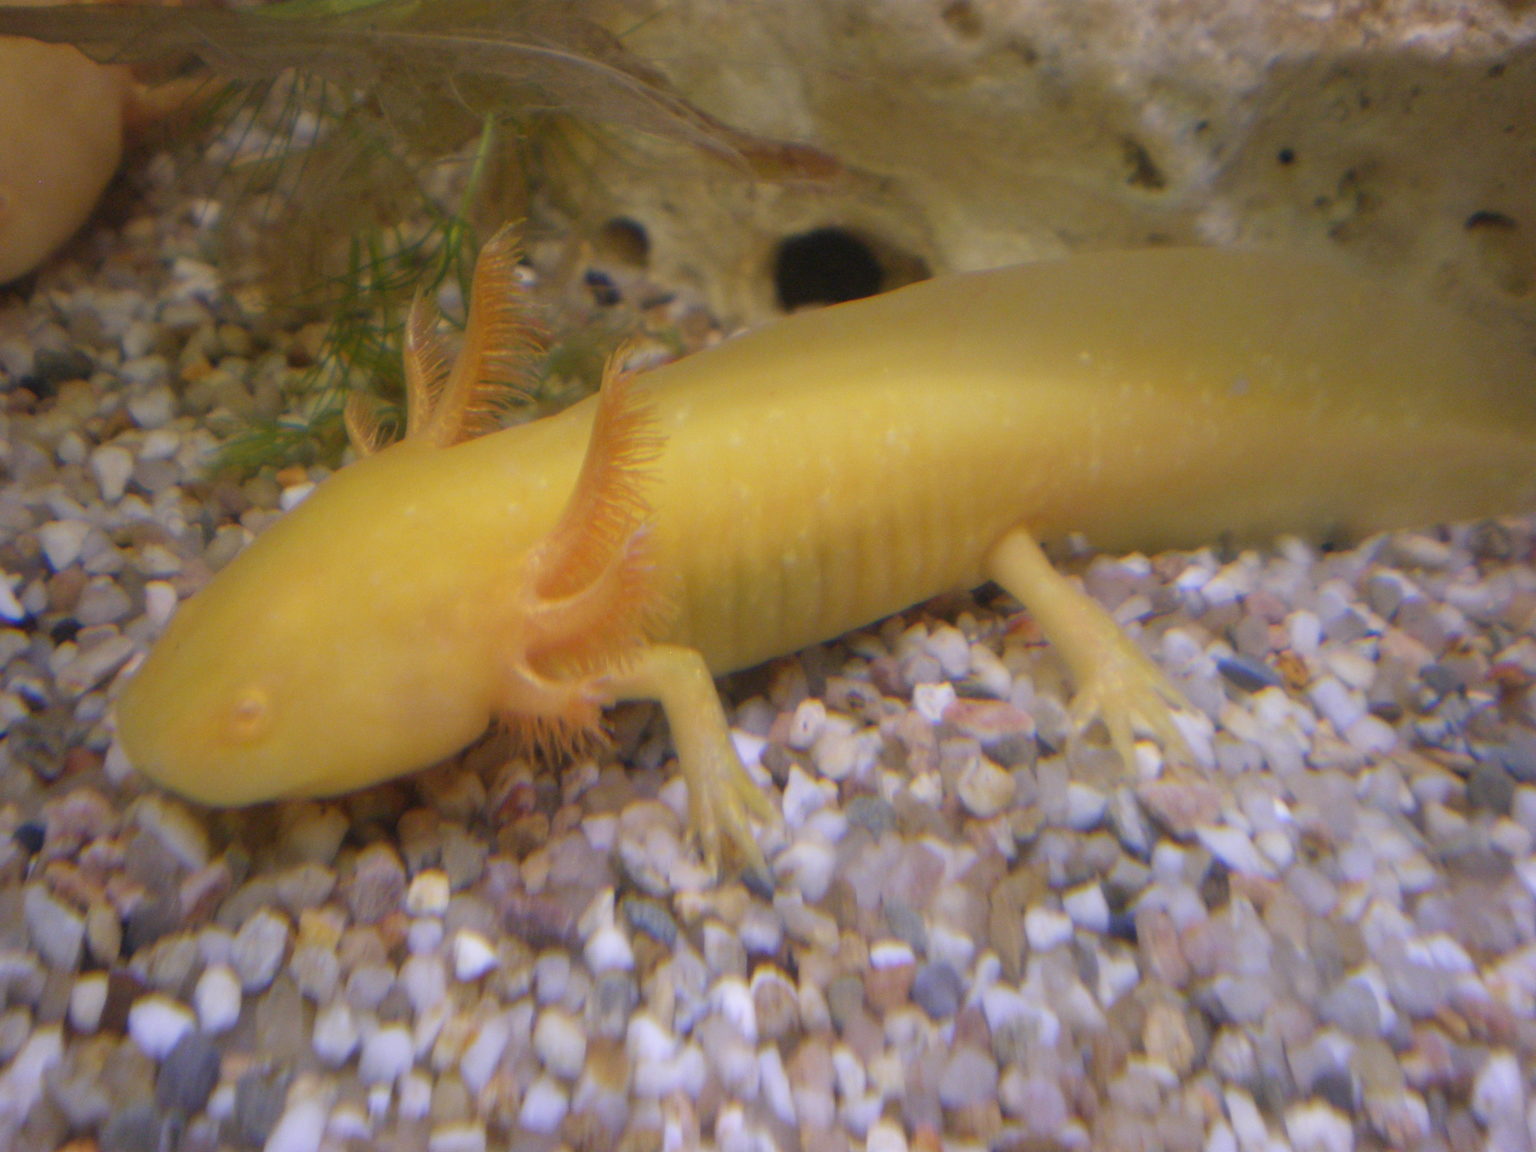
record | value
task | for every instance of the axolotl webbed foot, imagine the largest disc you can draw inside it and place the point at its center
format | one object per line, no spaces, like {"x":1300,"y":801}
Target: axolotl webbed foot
{"x":722,"y":798}
{"x":1117,"y":684}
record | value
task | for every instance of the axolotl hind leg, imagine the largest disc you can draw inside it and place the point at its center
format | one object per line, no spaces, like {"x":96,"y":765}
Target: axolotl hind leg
{"x":1116,"y":682}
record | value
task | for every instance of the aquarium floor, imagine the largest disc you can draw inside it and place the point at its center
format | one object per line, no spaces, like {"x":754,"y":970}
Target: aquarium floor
{"x":975,"y":936}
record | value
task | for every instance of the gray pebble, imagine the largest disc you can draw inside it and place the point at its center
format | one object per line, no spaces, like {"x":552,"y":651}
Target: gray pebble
{"x":1491,"y":788}
{"x":133,"y":1128}
{"x":614,"y":997}
{"x":259,"y":948}
{"x":937,"y":990}
{"x":56,"y":931}
{"x":970,"y":1077}
{"x":189,"y":1075}
{"x":1248,"y":674}
{"x":650,"y":917}
{"x":259,"y":1097}
{"x":872,"y":814}
{"x":906,"y":924}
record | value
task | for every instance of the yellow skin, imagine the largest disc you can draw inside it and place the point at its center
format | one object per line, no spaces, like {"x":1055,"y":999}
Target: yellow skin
{"x":801,"y":481}
{"x":61,"y":136}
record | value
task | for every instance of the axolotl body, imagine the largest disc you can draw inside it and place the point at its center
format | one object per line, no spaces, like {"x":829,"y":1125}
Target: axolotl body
{"x":797,"y":482}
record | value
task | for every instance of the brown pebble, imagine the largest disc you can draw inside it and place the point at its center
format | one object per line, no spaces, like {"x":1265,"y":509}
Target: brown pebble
{"x":1179,"y":806}
{"x":889,"y":987}
{"x":1160,"y":947}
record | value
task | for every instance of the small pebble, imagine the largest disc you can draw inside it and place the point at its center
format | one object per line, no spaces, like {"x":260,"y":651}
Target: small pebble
{"x":544,"y":1106}
{"x":937,"y":990}
{"x":217,"y":998}
{"x":560,"y":1042}
{"x":1046,"y":928}
{"x":984,"y":788}
{"x":157,"y":1023}
{"x":188,"y":1075}
{"x":386,"y":1055}
{"x":87,"y":999}
{"x":473,"y":956}
{"x":259,"y":949}
{"x":335,"y":1036}
{"x":112,"y":465}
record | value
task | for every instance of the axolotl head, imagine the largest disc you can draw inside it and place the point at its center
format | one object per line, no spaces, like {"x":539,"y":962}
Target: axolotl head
{"x":413,"y":597}
{"x":346,"y":645}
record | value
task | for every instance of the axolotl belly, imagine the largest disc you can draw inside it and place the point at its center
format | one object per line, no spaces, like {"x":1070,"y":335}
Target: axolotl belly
{"x":800,"y":481}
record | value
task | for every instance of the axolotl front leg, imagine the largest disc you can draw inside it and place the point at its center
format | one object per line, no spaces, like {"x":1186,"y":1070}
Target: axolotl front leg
{"x":722,"y":797}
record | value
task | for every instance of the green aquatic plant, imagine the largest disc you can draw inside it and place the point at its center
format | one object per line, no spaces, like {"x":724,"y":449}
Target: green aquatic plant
{"x":367,"y":147}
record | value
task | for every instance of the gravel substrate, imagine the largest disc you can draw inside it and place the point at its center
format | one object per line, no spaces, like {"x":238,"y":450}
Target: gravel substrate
{"x":974,"y":938}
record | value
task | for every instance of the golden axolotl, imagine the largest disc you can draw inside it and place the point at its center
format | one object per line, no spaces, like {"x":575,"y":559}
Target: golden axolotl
{"x":800,"y":481}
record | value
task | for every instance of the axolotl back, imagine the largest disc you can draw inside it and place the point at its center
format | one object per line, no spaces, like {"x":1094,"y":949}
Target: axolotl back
{"x":801,"y":481}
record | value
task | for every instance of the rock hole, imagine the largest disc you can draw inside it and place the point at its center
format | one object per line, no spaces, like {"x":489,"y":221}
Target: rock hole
{"x":825,"y":266}
{"x":624,"y":241}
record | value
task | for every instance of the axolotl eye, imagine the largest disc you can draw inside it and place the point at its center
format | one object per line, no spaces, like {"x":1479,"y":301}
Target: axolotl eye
{"x":249,"y":716}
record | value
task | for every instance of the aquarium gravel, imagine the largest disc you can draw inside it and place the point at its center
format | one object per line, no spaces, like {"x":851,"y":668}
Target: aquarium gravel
{"x":975,"y":936}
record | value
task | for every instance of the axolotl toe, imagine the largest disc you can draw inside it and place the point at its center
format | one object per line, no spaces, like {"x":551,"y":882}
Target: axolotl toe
{"x":798,"y":482}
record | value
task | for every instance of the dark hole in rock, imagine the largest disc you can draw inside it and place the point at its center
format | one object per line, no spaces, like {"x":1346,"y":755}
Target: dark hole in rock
{"x":825,"y":266}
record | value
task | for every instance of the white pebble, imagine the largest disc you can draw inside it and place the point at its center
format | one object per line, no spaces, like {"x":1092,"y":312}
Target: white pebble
{"x":177,"y":830}
{"x":984,"y":788}
{"x":1046,"y":928}
{"x":608,"y":950}
{"x":777,"y":1093}
{"x":428,"y":893}
{"x":809,"y":719}
{"x":159,"y":602}
{"x":1371,"y":735}
{"x":479,"y":1061}
{"x":885,"y":1136}
{"x":948,"y":645}
{"x":931,"y":701}
{"x":386,"y":1055}
{"x":560,"y":1042}
{"x":424,"y":979}
{"x":87,"y":998}
{"x":1498,"y":1092}
{"x":335,"y":1036}
{"x":259,"y":948}
{"x":415,"y":1096}
{"x":1313,"y":1126}
{"x":473,"y":956}
{"x":157,"y":1022}
{"x":10,"y":608}
{"x":544,"y":1106}
{"x":294,"y":495}
{"x":1305,"y":631}
{"x":465,"y":1136}
{"x":61,"y":541}
{"x":731,"y":1000}
{"x":301,"y":1127}
{"x":804,"y":796}
{"x":153,"y":408}
{"x":160,"y":444}
{"x":1085,"y":806}
{"x":217,"y":998}
{"x":1336,"y":703}
{"x":22,"y":1082}
{"x":808,"y":866}
{"x":1277,"y":848}
{"x":647,"y":1040}
{"x":112,"y":465}
{"x":1235,"y":849}
{"x":1087,"y":907}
